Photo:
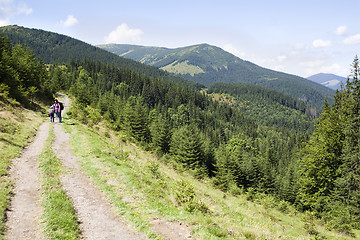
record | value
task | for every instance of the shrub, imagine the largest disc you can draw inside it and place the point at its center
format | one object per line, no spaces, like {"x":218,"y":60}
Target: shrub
{"x":154,"y":169}
{"x":310,"y":226}
{"x":185,"y":196}
{"x":340,"y":218}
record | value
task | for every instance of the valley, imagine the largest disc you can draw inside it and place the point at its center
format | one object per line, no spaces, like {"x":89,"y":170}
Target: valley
{"x":266,"y":157}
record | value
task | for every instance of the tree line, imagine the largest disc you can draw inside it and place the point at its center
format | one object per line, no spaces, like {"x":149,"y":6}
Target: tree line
{"x":329,"y":170}
{"x":22,"y":76}
{"x":267,"y":107}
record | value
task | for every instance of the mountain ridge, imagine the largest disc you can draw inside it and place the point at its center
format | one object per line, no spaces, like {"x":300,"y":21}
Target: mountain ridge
{"x":53,"y":47}
{"x":209,"y":64}
{"x":328,"y":79}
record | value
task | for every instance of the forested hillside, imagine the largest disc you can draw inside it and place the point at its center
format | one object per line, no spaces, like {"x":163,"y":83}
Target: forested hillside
{"x":56,"y":48}
{"x":22,"y":77}
{"x":208,"y":64}
{"x":267,"y":107}
{"x":189,"y":131}
{"x":329,"y":173}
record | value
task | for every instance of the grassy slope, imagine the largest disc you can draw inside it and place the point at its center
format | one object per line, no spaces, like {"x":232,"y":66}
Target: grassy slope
{"x":143,"y":188}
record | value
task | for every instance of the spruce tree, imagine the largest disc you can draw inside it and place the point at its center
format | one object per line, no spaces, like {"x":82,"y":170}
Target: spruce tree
{"x":348,"y":185}
{"x":186,"y":147}
{"x":319,"y":166}
{"x":136,"y":119}
{"x":161,"y":133}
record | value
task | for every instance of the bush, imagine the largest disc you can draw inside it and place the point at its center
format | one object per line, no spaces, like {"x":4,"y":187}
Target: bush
{"x":4,"y":91}
{"x":250,"y":195}
{"x":310,"y":226}
{"x":185,"y":196}
{"x":340,"y":218}
{"x":283,"y":206}
{"x":94,"y":115}
{"x":154,"y":169}
{"x":266,"y":200}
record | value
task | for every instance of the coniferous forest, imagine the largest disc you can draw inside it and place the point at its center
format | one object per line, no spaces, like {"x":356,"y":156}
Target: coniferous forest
{"x":316,"y":170}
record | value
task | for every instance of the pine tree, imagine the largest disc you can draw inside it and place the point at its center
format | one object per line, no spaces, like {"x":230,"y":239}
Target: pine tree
{"x":319,"y":166}
{"x":348,"y":185}
{"x":136,"y":119}
{"x":227,"y":168}
{"x":186,"y":147}
{"x":161,"y":133}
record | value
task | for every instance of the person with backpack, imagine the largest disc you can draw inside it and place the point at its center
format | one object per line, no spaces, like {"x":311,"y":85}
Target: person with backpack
{"x":58,"y":106}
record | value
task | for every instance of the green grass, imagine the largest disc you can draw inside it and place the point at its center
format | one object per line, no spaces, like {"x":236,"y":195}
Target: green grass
{"x":59,"y":217}
{"x":143,"y":188}
{"x":183,"y":68}
{"x":17,"y":129}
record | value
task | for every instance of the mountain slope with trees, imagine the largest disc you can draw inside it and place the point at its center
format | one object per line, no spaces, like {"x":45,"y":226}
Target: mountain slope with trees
{"x":215,"y":141}
{"x":329,"y":169}
{"x":57,"y":48}
{"x":266,"y":106}
{"x":209,"y":64}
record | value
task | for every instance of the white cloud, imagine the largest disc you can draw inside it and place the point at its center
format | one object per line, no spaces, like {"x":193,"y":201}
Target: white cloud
{"x":341,"y":30}
{"x":231,"y":49}
{"x":311,"y":63}
{"x":69,"y":22}
{"x":4,"y":22}
{"x":333,"y":68}
{"x":22,"y":8}
{"x":281,"y":58}
{"x":124,"y":34}
{"x":8,"y":10}
{"x":321,"y":43}
{"x":352,"y":39}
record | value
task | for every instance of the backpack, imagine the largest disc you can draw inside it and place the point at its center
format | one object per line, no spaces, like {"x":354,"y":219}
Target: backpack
{"x":61,"y":106}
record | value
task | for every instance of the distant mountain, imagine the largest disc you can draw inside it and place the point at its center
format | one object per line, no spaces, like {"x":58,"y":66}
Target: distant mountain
{"x":57,"y":48}
{"x":329,"y":80}
{"x":208,"y":64}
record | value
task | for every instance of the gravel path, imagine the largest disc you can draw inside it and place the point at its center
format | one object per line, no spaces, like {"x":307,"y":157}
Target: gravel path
{"x":96,"y":215}
{"x":97,"y":218}
{"x":25,"y":210}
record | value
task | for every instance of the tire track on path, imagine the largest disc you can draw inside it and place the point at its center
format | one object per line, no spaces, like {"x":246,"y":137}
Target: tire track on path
{"x":23,"y":218}
{"x":97,"y":218}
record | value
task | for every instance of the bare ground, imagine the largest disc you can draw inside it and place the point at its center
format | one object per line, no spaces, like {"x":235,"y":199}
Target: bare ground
{"x":97,"y":217}
{"x":25,"y":210}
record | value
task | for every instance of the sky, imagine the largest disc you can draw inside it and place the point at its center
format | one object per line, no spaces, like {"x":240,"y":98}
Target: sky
{"x":300,"y":37}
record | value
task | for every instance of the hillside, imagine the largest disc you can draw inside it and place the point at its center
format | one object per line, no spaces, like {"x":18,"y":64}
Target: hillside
{"x":208,"y":64}
{"x":267,"y":107}
{"x":163,"y":152}
{"x":57,"y":48}
{"x":329,"y":80}
{"x":145,"y":192}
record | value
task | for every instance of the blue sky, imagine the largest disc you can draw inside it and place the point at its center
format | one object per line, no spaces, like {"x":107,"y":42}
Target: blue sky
{"x":301,"y":37}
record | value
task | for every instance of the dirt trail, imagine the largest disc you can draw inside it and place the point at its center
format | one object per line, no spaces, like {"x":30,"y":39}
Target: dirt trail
{"x":98,"y":220}
{"x":25,"y":210}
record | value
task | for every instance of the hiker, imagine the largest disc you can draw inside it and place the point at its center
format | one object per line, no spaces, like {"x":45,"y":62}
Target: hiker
{"x":58,"y":107}
{"x":52,"y":114}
